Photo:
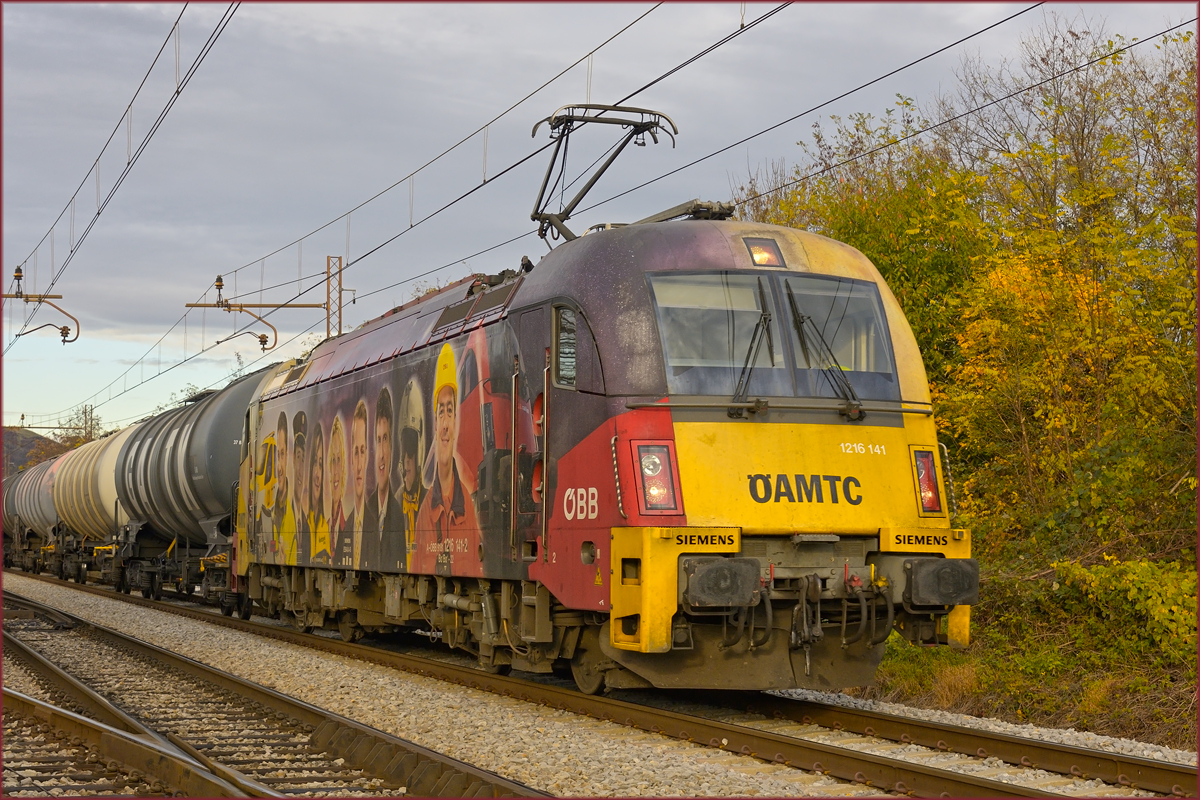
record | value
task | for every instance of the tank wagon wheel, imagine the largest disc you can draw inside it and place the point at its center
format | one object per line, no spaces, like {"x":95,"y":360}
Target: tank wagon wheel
{"x":348,"y":627}
{"x":588,"y":657}
{"x":81,"y":576}
{"x":245,"y":606}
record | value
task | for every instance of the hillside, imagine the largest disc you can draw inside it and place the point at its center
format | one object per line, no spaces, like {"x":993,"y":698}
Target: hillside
{"x":19,"y":443}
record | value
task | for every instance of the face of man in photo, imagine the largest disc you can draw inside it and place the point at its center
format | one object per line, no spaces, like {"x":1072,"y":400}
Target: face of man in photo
{"x":337,"y":468}
{"x":358,"y":458}
{"x":301,"y":493}
{"x":445,"y":428}
{"x":281,"y":456}
{"x":383,"y":456}
{"x":410,"y":472}
{"x":316,"y":479}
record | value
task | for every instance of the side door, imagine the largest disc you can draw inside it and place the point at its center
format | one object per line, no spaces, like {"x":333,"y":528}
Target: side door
{"x":535,"y":473}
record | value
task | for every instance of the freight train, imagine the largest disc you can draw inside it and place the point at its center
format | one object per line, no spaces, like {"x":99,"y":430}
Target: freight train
{"x":697,"y":453}
{"x":689,"y":452}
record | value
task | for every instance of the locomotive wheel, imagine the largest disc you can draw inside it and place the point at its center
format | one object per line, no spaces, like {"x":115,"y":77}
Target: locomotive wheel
{"x":299,"y":621}
{"x":588,"y":656}
{"x":348,"y":627}
{"x":493,"y":668}
{"x":245,"y":606}
{"x":227,"y":606}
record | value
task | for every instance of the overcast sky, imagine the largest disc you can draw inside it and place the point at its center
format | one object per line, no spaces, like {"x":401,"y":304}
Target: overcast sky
{"x":301,"y":112}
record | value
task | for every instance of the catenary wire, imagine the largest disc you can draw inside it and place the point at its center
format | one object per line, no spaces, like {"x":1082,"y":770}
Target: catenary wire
{"x":456,"y":200}
{"x":204,"y":51}
{"x":964,"y":114}
{"x":466,"y":138}
{"x":107,"y":142}
{"x":449,"y":149}
{"x":815,"y":108}
{"x":675,"y":69}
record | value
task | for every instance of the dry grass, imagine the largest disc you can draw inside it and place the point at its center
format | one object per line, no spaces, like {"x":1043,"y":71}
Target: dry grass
{"x":1124,"y":702}
{"x":955,"y":687}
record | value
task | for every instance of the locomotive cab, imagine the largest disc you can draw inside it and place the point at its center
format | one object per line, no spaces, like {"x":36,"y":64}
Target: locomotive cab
{"x":780,"y":495}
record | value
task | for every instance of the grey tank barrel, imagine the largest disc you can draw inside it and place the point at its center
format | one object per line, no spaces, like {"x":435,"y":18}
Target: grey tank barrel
{"x":10,"y":504}
{"x":34,"y":497}
{"x":175,"y":474}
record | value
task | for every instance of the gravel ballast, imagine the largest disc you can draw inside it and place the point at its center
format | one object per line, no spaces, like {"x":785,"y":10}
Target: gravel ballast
{"x":550,"y":750}
{"x":1068,"y":736}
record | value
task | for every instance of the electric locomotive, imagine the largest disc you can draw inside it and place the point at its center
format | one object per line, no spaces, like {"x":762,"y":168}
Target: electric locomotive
{"x":694,"y":453}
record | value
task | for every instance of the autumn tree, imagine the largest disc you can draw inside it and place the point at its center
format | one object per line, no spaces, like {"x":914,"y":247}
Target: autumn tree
{"x":43,"y":450}
{"x":82,"y":426}
{"x":1076,"y":397}
{"x":1044,"y":251}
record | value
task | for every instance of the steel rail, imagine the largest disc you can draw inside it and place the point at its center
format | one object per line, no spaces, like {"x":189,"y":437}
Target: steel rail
{"x":101,"y":710}
{"x":839,"y":762}
{"x":1119,"y":768}
{"x":165,"y":764}
{"x":424,"y":772}
{"x":87,"y":700}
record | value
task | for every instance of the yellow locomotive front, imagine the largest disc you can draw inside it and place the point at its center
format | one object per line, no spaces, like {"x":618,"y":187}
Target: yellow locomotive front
{"x":812,"y":515}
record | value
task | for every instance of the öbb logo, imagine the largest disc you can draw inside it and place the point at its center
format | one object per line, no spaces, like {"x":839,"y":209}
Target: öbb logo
{"x":581,"y":503}
{"x":809,"y":488}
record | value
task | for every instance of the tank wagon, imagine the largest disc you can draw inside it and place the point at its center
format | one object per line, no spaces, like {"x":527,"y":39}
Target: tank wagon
{"x":36,"y":520}
{"x":140,"y":508}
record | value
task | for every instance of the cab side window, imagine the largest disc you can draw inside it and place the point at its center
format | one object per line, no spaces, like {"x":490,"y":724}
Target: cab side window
{"x":565,"y":347}
{"x":576,"y":361}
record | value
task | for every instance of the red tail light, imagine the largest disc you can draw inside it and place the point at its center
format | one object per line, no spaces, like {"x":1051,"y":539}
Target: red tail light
{"x":927,"y":483}
{"x":656,"y":473}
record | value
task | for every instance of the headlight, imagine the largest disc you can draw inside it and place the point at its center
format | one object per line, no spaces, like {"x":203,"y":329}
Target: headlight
{"x":659,"y":492}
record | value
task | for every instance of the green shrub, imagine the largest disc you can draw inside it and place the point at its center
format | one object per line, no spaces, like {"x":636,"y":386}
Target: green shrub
{"x":1144,"y":607}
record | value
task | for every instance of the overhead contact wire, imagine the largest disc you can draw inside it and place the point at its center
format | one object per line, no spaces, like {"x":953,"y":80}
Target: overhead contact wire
{"x":452,"y":147}
{"x":815,"y":108}
{"x":208,"y":45}
{"x":964,"y":114}
{"x":453,"y":202}
{"x":399,"y":182}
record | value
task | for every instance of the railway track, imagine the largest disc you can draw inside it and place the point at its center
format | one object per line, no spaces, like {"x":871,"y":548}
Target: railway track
{"x":50,"y":751}
{"x":773,"y":729}
{"x":266,"y":744}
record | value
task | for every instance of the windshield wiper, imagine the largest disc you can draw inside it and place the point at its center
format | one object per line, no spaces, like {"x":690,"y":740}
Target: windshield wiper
{"x":833,"y":370}
{"x":762,"y":329}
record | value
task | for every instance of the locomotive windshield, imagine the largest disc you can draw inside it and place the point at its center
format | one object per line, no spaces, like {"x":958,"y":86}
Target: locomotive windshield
{"x":707,"y":322}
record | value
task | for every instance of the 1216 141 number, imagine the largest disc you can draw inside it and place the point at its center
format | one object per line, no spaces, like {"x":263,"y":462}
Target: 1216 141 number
{"x":863,"y":448}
